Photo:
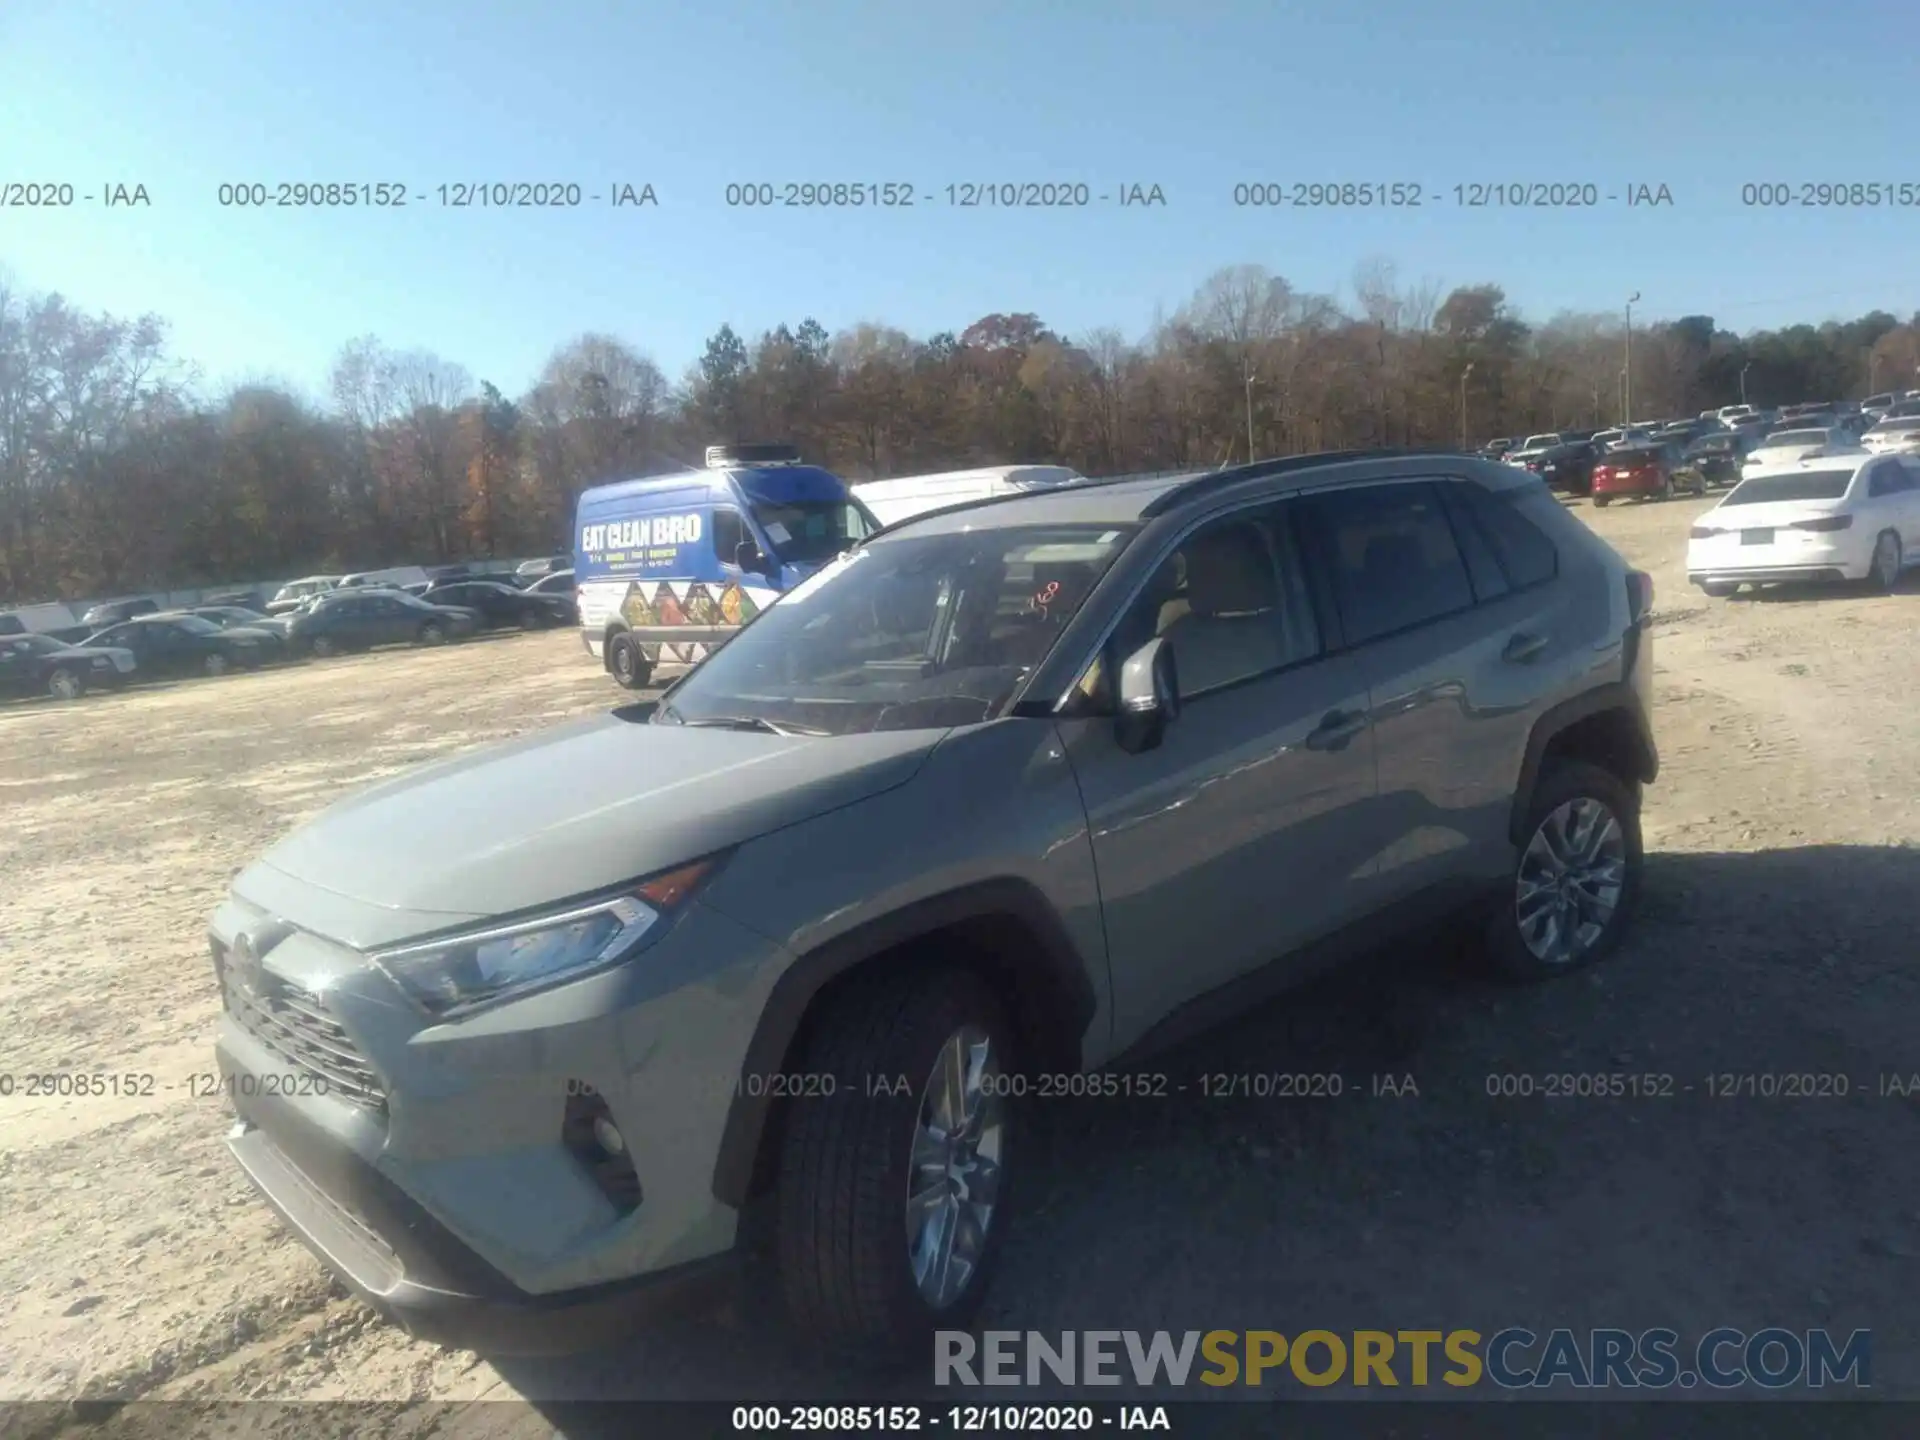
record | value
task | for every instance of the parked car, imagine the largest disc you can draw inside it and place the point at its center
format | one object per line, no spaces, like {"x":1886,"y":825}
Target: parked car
{"x":1494,"y":449}
{"x":1789,"y":445}
{"x":1734,"y":414}
{"x":392,"y":578}
{"x":1540,"y":442}
{"x":1646,"y":471}
{"x":1717,"y":456}
{"x":235,"y":617}
{"x":345,"y":621}
{"x":42,"y":665}
{"x":114,"y":611}
{"x":501,"y":967}
{"x":1840,"y":517}
{"x":1569,"y":467}
{"x":296,"y":593}
{"x":500,"y":605}
{"x":558,"y":585}
{"x":176,"y":644}
{"x":1890,"y":435}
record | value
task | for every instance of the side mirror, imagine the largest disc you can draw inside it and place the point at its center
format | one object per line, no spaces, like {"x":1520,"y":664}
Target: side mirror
{"x":1149,"y":697}
{"x":748,"y":557}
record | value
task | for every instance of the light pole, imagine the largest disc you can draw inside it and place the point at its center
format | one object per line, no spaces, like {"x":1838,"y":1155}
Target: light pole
{"x":1626,"y":386}
{"x":1251,"y":457}
{"x":1743,"y":381}
{"x":1873,"y":371}
{"x":1463,"y":403}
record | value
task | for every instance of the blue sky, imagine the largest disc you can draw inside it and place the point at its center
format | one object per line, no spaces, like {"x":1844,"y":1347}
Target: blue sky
{"x":1193,"y":95}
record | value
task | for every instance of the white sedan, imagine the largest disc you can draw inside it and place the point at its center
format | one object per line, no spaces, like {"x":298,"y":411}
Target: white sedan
{"x":1841,"y":517}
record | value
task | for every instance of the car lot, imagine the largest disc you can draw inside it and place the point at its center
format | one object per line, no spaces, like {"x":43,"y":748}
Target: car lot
{"x":1775,"y":939}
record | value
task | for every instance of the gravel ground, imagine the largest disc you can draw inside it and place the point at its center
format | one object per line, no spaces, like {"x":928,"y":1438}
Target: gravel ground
{"x":1776,"y":938}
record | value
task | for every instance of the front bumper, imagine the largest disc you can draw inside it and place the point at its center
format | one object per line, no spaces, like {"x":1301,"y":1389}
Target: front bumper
{"x":414,"y":1271}
{"x":438,"y":1167}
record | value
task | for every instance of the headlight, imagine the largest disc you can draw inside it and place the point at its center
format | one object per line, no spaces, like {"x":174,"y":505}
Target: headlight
{"x":458,"y":972}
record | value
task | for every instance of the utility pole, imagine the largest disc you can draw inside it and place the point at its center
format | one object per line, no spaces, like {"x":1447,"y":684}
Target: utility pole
{"x":1743,"y":381}
{"x":1626,"y":385}
{"x":1463,"y":403}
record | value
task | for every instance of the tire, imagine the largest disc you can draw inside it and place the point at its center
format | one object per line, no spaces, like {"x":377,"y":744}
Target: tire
{"x":1562,"y":794}
{"x":1883,"y":573}
{"x":1720,"y":589}
{"x":66,"y":685}
{"x":322,"y":646}
{"x":433,"y":633}
{"x":628,"y":663}
{"x":217,"y":665}
{"x":841,"y":1212}
{"x":1600,"y":502}
{"x":529,"y":620}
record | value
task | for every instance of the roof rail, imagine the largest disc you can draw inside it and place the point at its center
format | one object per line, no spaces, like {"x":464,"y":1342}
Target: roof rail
{"x":1285,"y":465}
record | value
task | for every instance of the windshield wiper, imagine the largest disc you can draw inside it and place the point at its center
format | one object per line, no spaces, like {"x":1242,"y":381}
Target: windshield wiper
{"x":750,"y":722}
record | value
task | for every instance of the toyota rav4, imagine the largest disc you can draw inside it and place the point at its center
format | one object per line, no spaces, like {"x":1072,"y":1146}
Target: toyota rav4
{"x":525,"y":1044}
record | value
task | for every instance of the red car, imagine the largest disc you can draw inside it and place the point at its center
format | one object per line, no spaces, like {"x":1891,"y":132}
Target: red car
{"x":1645,"y":471}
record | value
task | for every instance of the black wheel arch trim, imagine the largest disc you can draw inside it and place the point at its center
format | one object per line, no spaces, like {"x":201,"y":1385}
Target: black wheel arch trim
{"x":1614,"y":695}
{"x":1064,"y":977}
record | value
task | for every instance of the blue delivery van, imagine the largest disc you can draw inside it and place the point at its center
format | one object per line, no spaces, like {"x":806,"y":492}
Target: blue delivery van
{"x":667,"y":567}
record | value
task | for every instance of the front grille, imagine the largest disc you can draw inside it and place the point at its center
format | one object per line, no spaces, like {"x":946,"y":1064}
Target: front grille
{"x":297,"y":1026}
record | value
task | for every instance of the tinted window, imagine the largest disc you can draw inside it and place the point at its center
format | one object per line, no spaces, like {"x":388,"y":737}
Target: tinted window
{"x":1393,"y":557}
{"x":1483,"y":566}
{"x":728,"y":532}
{"x":1526,"y":555}
{"x":1232,"y":601}
{"x":1802,"y":485}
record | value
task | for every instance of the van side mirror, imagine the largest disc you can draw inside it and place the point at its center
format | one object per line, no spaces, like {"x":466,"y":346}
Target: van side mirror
{"x":1149,"y":697}
{"x":748,"y":557}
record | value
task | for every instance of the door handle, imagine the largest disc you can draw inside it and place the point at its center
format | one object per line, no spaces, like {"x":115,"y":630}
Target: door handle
{"x":1522,"y":648}
{"x":1336,"y":727}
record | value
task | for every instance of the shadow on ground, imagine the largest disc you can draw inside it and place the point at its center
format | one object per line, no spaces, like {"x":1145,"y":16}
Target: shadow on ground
{"x":1456,"y":1206}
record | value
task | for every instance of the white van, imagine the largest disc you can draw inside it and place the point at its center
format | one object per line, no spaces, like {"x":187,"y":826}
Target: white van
{"x":909,"y":495}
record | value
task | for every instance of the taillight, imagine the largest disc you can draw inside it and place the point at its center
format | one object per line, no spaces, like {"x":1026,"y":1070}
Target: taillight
{"x":1825,"y":522}
{"x":1639,"y":595}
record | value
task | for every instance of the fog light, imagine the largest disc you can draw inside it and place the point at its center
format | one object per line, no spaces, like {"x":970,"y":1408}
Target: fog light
{"x":608,"y":1134}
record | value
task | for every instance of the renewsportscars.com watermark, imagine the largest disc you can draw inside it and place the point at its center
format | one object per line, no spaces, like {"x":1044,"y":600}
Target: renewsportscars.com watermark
{"x":1513,"y":1359}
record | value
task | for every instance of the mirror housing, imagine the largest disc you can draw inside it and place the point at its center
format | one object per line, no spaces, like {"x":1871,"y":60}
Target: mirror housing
{"x":749,"y":558}
{"x":1148,"y":697}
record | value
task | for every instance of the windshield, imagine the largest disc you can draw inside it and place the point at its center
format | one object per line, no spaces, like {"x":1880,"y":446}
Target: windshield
{"x":810,"y":532}
{"x":914,"y":632}
{"x":1802,"y":485}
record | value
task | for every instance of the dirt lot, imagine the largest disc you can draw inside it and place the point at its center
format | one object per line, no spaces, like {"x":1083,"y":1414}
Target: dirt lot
{"x":1777,"y":937}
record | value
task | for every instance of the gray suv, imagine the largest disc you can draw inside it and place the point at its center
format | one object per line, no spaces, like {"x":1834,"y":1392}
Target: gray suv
{"x":538,"y":1040}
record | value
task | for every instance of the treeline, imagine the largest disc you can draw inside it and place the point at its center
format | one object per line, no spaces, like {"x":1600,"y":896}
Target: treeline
{"x":118,"y":472}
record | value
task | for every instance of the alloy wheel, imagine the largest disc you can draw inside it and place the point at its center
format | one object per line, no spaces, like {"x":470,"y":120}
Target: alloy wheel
{"x":953,"y":1172}
{"x":1571,"y":879}
{"x":1886,"y":561}
{"x":64,"y":685}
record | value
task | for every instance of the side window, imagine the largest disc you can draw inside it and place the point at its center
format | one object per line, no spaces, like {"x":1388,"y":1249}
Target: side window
{"x":1525,"y":555}
{"x":1232,"y":601}
{"x":1483,"y":566}
{"x":728,"y":532}
{"x":1393,"y":559}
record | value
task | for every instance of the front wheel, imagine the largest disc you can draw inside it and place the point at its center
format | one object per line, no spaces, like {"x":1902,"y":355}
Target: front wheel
{"x":217,"y":665}
{"x":1884,"y":573}
{"x":627,"y":663}
{"x":65,"y":685}
{"x":1577,"y":879}
{"x":1600,"y":502}
{"x":893,"y":1173}
{"x":529,"y":620}
{"x":321,"y":646}
{"x":433,"y":633}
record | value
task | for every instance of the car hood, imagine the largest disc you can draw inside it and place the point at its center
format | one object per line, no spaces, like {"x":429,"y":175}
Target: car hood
{"x":560,"y":813}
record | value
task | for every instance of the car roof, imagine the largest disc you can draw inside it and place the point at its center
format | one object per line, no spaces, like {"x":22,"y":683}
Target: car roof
{"x":1133,"y":501}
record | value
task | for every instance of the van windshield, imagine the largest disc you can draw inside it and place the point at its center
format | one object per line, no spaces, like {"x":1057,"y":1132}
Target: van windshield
{"x":912,"y":632}
{"x":811,"y":532}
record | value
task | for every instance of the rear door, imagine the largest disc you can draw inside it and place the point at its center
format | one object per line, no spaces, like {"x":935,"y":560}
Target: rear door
{"x":1458,"y":652}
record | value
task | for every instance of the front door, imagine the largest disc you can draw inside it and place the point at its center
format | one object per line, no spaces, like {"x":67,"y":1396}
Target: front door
{"x":1242,"y":835}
